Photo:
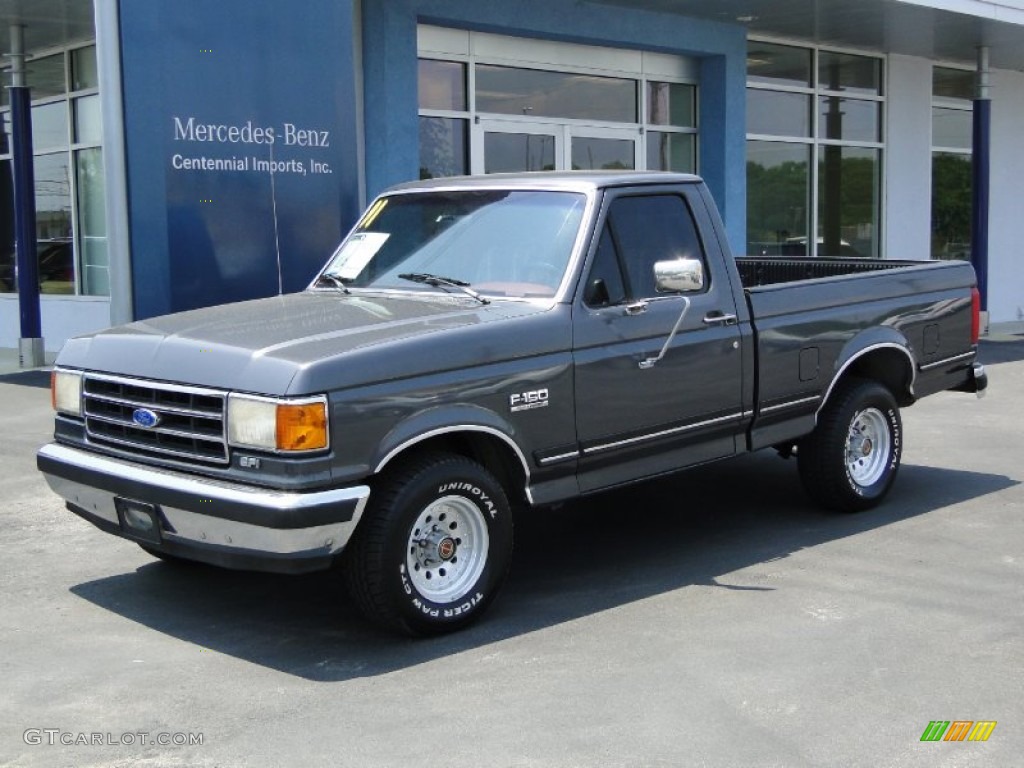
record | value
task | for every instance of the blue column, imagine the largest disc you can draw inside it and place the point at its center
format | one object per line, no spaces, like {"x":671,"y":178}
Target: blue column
{"x":26,"y":260}
{"x":980,"y":176}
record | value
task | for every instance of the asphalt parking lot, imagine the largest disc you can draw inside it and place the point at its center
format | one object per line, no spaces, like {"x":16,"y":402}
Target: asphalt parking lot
{"x":714,"y":619}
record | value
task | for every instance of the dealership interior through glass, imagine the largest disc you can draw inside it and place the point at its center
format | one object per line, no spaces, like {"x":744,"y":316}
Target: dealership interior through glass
{"x":482,"y":117}
{"x":67,"y":140}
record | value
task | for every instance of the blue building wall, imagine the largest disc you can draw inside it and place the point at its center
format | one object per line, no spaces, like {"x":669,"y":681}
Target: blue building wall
{"x":217,"y":94}
{"x":240,"y":132}
{"x":390,"y":77}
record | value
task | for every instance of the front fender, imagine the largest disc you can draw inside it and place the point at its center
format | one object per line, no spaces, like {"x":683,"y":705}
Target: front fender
{"x":444,"y":420}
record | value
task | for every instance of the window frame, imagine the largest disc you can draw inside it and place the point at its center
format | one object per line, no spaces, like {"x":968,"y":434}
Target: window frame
{"x":816,"y":92}
{"x":471,"y":57}
{"x":950,"y":103}
{"x":605,"y":224}
{"x":70,"y":148}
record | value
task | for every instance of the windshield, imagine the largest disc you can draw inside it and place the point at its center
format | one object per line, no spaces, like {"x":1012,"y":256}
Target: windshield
{"x":502,"y":243}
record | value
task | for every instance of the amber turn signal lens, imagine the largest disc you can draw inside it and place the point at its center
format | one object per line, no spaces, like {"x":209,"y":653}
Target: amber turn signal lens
{"x":301,"y":427}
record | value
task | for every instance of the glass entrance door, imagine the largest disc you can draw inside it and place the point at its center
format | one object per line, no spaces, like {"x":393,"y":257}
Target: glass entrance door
{"x":602,"y":149}
{"x":508,"y":146}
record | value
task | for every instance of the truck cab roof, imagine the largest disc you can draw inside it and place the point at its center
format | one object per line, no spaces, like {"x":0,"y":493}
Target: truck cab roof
{"x":577,"y":181}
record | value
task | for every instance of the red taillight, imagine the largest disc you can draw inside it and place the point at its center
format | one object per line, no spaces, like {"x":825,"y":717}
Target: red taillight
{"x":975,"y":315}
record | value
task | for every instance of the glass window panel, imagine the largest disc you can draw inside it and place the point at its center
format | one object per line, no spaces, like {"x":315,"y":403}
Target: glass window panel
{"x":50,"y":125}
{"x":88,"y":121}
{"x":511,"y":91}
{"x":848,"y":201}
{"x":6,"y":228}
{"x":95,"y":271}
{"x":671,"y":104}
{"x":509,"y":243}
{"x":952,"y":128}
{"x":442,"y":85}
{"x":84,"y":73}
{"x":850,"y":73}
{"x":45,"y":77}
{"x":951,"y":206}
{"x":777,"y":113}
{"x":443,"y":147}
{"x":778,"y":64}
{"x":652,"y":228}
{"x":849,"y":119}
{"x":953,"y":83}
{"x":671,"y":152}
{"x":514,"y":152}
{"x":53,"y":223}
{"x":590,"y":154}
{"x":92,"y":210}
{"x":778,"y":193}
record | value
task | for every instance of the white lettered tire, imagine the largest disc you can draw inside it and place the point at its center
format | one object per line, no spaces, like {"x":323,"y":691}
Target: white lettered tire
{"x":433,"y":548}
{"x":850,"y":461}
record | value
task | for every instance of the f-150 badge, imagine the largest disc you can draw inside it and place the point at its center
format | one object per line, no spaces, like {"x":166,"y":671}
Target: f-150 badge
{"x":527,"y":401}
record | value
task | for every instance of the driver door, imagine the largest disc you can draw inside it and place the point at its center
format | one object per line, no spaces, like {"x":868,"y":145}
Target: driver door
{"x":634,"y":421}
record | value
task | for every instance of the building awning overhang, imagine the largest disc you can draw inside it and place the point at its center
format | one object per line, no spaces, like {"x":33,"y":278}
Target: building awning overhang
{"x":48,"y":23}
{"x":941,"y":30}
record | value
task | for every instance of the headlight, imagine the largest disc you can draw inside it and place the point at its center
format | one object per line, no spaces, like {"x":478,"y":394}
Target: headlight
{"x":277,"y":425}
{"x":66,"y":392}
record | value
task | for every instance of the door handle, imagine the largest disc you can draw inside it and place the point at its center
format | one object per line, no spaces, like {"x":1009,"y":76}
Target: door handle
{"x":636,"y":308}
{"x":719,"y":318}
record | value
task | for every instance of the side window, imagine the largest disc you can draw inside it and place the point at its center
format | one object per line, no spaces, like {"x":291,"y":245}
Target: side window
{"x":651,"y":228}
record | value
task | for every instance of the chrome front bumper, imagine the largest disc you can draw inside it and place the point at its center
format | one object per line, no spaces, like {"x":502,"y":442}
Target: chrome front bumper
{"x":228,"y":524}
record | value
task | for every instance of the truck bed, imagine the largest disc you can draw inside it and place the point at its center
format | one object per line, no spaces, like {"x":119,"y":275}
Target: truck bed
{"x":807,"y":311}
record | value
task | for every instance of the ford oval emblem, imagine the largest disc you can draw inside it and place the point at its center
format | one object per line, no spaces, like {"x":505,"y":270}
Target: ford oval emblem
{"x":145,"y":418}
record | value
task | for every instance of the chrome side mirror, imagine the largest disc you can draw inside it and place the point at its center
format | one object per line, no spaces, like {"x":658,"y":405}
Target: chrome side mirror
{"x":679,"y":276}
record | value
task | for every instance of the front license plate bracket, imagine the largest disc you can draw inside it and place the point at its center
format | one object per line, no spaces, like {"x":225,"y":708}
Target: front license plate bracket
{"x":139,"y":520}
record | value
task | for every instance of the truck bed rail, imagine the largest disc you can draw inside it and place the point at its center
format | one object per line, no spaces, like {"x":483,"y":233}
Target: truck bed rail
{"x":755,"y":270}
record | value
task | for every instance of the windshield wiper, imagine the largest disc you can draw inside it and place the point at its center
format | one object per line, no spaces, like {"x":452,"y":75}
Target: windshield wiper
{"x":443,"y":282}
{"x":336,"y":281}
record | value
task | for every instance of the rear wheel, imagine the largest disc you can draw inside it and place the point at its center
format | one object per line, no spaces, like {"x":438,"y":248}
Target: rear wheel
{"x":433,"y":548}
{"x":850,"y":460}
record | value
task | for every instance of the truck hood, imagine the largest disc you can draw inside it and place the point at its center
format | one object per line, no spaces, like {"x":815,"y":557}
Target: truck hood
{"x":287,"y":344}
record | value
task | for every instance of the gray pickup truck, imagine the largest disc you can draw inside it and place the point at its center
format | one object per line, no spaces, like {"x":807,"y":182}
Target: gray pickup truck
{"x":476,"y":345}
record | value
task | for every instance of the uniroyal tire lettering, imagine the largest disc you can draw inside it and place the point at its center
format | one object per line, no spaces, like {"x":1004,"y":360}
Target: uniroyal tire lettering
{"x":473,"y":491}
{"x":894,"y":424}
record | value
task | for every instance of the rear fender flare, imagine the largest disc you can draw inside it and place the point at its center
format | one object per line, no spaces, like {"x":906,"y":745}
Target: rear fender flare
{"x":860,"y":349}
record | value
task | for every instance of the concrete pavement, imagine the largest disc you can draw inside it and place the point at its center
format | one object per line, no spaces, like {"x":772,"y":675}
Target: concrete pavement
{"x":713,"y":619}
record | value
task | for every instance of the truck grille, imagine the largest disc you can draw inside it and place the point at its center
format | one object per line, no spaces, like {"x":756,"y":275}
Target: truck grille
{"x":189,"y":421}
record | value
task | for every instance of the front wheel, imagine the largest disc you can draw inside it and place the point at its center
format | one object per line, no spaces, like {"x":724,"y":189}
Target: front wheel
{"x":433,"y":548}
{"x":850,"y":460}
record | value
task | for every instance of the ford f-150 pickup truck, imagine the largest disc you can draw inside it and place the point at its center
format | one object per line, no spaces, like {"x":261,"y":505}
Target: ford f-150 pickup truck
{"x":479,"y":344}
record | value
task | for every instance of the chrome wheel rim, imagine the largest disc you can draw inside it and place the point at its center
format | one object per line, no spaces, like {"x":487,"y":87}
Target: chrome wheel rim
{"x":868,"y":447}
{"x":447,"y":549}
